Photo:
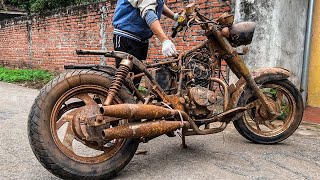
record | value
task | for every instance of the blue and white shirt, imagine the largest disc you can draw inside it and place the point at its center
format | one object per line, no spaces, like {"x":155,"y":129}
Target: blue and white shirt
{"x":132,"y":18}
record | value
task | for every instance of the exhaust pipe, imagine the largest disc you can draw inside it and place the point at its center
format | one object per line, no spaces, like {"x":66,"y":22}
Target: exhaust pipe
{"x":137,"y":111}
{"x":144,"y":129}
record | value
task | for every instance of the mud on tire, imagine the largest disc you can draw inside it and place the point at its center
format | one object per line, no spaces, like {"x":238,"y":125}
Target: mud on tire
{"x":252,"y":134}
{"x":41,"y":138}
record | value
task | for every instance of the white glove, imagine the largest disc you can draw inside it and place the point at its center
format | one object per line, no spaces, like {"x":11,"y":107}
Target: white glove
{"x":168,"y":49}
{"x":176,"y":16}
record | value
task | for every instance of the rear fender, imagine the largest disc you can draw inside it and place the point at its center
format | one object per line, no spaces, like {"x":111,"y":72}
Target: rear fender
{"x":261,"y":76}
{"x":106,"y":69}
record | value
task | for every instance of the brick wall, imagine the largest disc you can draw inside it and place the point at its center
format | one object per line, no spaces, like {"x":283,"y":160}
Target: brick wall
{"x":48,"y":40}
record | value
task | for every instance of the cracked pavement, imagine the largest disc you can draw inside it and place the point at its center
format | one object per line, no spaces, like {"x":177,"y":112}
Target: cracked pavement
{"x":220,"y":156}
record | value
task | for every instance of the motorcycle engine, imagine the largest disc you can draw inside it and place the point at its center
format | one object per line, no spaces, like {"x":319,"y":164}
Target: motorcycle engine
{"x":201,"y":101}
{"x":199,"y":97}
{"x":199,"y":70}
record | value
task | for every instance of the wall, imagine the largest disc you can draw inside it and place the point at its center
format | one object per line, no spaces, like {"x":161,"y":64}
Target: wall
{"x":314,"y":68}
{"x":280,"y":34}
{"x":49,"y":40}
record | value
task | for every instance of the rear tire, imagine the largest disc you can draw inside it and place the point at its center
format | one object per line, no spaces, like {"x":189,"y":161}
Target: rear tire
{"x":294,"y":115}
{"x":42,"y":139}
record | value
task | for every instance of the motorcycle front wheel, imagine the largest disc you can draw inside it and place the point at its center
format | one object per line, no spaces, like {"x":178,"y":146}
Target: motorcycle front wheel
{"x":52,"y":136}
{"x":255,"y":125}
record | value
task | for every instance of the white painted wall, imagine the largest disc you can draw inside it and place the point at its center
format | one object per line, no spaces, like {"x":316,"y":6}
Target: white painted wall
{"x":280,"y":34}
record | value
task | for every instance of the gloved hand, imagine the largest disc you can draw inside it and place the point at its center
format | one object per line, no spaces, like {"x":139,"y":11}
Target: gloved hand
{"x":168,"y":49}
{"x":176,"y":16}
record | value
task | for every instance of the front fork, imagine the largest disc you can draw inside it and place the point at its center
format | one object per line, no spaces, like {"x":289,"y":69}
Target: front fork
{"x":239,"y":68}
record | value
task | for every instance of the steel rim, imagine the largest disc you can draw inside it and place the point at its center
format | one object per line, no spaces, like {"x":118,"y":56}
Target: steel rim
{"x":61,"y":127}
{"x":285,"y":105}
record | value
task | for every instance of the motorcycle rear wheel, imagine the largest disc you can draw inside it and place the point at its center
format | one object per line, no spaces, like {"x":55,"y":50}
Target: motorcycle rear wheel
{"x":64,"y":154}
{"x":287,"y":101}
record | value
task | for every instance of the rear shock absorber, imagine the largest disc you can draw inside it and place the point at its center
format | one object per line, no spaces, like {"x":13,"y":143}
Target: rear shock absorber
{"x":125,"y":67}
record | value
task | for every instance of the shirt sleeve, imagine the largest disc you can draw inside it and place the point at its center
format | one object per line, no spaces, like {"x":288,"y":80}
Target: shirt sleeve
{"x":150,"y":17}
{"x":144,"y":6}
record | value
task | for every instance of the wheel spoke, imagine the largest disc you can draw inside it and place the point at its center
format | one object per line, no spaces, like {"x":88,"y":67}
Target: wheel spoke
{"x":68,"y":137}
{"x":61,"y":122}
{"x":86,"y":99}
{"x":279,"y":98}
{"x":67,"y":118}
{"x":257,"y":120}
{"x":269,"y":125}
{"x":68,"y":125}
{"x":258,"y":127}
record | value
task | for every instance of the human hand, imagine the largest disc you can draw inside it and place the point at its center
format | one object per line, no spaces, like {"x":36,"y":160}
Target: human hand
{"x":176,"y":16}
{"x":169,"y":49}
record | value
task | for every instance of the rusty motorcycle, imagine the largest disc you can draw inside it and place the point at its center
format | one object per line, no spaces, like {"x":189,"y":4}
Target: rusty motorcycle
{"x":88,"y":122}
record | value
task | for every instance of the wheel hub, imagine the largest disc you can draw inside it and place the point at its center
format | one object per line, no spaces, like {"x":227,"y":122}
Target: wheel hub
{"x":263,"y":112}
{"x":88,"y":125}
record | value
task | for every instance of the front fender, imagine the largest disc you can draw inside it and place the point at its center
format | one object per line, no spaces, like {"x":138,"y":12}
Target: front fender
{"x":261,"y":76}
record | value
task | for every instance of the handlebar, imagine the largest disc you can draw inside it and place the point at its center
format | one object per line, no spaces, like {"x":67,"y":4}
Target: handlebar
{"x":178,"y":26}
{"x":175,"y":30}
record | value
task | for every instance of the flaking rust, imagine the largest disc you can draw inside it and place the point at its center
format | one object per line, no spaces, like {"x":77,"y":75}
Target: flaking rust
{"x":144,"y":129}
{"x":107,"y":113}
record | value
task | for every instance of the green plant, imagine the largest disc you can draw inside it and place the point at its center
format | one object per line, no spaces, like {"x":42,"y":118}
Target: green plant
{"x":24,"y":75}
{"x":143,"y":90}
{"x":36,"y":6}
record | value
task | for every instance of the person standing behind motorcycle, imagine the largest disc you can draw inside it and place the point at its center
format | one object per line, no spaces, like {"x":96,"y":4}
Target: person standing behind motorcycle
{"x":135,"y":22}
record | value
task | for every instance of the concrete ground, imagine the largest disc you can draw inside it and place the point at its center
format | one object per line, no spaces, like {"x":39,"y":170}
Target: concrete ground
{"x":221,"y":156}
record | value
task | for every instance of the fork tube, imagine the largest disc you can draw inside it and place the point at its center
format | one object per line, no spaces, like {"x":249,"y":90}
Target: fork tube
{"x":237,"y":65}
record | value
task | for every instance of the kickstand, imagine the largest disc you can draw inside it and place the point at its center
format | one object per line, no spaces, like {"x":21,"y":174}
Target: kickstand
{"x":183,"y":138}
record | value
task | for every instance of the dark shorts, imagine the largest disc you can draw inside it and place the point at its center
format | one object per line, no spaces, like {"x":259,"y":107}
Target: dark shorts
{"x":135,"y":48}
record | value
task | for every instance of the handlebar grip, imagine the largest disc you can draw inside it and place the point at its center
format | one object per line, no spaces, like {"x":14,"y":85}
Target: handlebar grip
{"x":174,"y":33}
{"x":175,"y":30}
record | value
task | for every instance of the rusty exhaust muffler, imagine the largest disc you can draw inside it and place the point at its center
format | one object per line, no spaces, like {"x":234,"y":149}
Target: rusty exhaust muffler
{"x":141,"y":129}
{"x":137,"y":111}
{"x":144,"y":129}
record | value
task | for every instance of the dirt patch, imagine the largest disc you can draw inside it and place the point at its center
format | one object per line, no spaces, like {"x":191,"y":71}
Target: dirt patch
{"x":33,"y":84}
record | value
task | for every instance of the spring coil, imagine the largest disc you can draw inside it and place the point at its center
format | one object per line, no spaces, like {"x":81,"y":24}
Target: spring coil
{"x":117,"y":82}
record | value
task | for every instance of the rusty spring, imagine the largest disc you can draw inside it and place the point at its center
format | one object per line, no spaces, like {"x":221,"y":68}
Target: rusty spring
{"x":117,"y":83}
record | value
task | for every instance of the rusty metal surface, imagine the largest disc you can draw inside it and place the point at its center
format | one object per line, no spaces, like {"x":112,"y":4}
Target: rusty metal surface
{"x":225,"y":32}
{"x":225,"y":93}
{"x":223,"y":117}
{"x":136,"y":111}
{"x":226,"y":19}
{"x":144,"y":129}
{"x":219,"y":48}
{"x":140,"y":111}
{"x":102,"y":122}
{"x":162,"y":63}
{"x":242,"y":33}
{"x":121,"y":74}
{"x":201,"y":100}
{"x":258,"y":92}
{"x":261,"y":76}
{"x":258,"y":118}
{"x":177,"y":102}
{"x":74,"y":120}
{"x":266,"y":74}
